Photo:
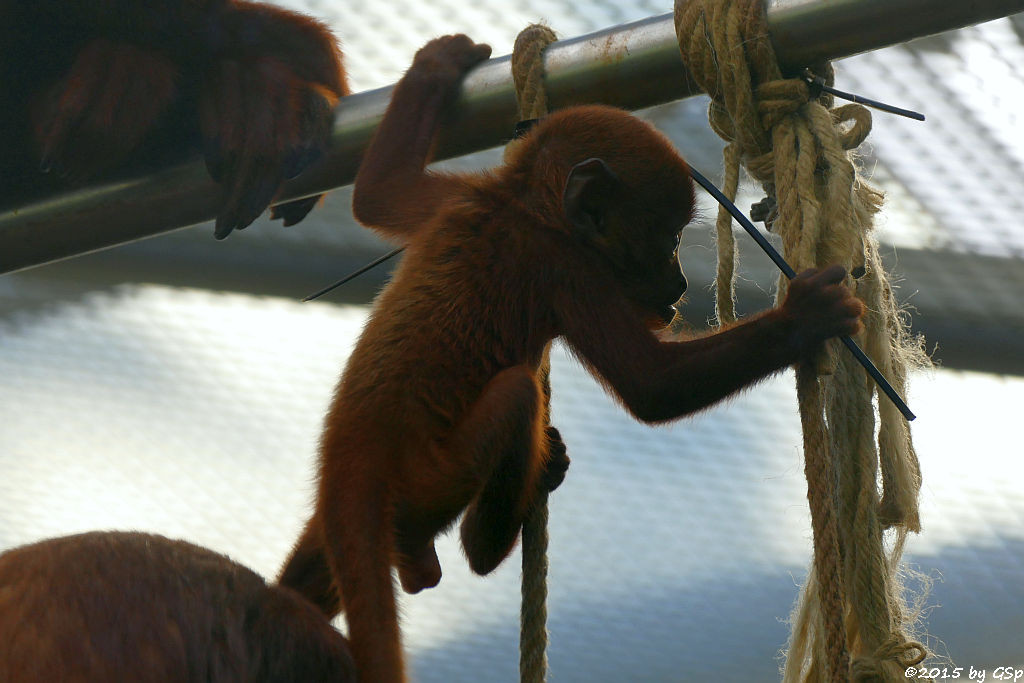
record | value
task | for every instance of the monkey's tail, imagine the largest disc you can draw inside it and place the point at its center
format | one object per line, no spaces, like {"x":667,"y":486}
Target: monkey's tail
{"x":359,"y":537}
{"x":306,"y":571}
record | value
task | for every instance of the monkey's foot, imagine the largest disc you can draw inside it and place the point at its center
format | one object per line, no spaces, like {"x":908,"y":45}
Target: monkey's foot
{"x":558,"y":461}
{"x":423,"y":570}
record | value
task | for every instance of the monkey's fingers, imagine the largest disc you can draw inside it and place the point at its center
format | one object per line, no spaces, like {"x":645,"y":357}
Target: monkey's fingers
{"x":449,"y":57}
{"x":460,"y":49}
{"x":309,"y":139}
{"x":108,"y":102}
{"x":555,"y":471}
{"x":848,"y":316}
{"x":64,"y":106}
{"x":812,"y":284}
{"x":831,"y":275}
{"x":251,"y":186}
{"x":474,"y":54}
{"x":315,"y":130}
{"x":261,"y":125}
{"x":292,"y":212}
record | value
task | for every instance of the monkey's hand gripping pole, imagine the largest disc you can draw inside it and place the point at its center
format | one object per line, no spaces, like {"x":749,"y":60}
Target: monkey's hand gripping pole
{"x":788,"y":271}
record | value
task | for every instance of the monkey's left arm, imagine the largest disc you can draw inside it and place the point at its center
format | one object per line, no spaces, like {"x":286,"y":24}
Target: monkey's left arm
{"x":393,"y":193}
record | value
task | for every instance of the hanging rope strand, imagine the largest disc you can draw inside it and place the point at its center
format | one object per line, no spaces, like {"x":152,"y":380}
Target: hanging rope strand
{"x":528,"y":75}
{"x":848,"y":623}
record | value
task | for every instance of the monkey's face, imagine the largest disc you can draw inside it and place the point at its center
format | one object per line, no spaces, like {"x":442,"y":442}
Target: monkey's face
{"x":674,"y":283}
{"x":657,"y":283}
{"x":649,"y":220}
{"x":635,"y":228}
{"x":642,"y":247}
{"x":661,"y":207}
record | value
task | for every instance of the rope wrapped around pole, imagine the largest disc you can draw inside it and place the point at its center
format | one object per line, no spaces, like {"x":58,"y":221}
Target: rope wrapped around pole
{"x":849,"y":623}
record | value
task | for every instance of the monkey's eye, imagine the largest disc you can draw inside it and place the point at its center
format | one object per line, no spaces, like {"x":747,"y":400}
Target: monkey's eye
{"x":677,"y":240}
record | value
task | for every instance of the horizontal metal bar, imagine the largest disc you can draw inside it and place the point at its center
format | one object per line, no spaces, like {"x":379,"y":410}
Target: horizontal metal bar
{"x":632,"y":66}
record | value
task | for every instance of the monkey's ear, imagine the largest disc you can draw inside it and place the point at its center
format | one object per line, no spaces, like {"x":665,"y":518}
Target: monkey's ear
{"x":588,"y":190}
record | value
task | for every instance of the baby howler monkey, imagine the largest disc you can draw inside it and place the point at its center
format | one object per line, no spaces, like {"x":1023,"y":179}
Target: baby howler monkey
{"x":440,"y":410}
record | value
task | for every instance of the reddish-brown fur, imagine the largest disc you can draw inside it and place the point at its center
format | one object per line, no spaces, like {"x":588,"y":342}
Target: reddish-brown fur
{"x":121,"y":606}
{"x":87,"y":85}
{"x":440,"y":409}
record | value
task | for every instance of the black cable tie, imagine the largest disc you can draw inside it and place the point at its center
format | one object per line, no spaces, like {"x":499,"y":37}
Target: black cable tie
{"x":372,"y":264}
{"x":817,"y":85}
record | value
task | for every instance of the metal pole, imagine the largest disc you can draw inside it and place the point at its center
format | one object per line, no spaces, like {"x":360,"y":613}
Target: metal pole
{"x":632,"y":66}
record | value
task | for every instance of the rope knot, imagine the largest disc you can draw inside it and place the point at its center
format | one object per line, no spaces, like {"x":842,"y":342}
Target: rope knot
{"x":761,"y":168}
{"x":779,"y":99}
{"x":854,"y":123}
{"x":890,"y":659}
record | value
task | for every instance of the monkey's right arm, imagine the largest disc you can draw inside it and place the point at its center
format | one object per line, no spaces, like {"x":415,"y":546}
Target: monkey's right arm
{"x":659,"y":381}
{"x":392,"y":192}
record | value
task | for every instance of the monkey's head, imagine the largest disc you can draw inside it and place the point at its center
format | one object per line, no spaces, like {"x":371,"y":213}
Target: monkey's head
{"x":626,"y":196}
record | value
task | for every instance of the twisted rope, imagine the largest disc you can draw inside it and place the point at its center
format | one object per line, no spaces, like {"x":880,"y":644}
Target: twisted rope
{"x":849,"y":621}
{"x":528,"y":75}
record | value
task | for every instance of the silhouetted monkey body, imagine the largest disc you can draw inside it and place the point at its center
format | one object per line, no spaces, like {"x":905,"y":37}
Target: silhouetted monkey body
{"x":89,"y":85}
{"x":126,"y":606}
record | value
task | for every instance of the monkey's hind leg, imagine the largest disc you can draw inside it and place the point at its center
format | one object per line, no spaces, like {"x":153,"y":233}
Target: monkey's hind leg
{"x":505,"y":434}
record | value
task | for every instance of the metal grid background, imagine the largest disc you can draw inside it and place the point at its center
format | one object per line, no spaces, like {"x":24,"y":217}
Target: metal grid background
{"x":676,"y":552}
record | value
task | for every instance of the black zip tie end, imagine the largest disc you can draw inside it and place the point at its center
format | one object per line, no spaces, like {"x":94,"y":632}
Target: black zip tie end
{"x":817,"y":85}
{"x":372,"y":264}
